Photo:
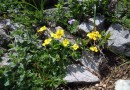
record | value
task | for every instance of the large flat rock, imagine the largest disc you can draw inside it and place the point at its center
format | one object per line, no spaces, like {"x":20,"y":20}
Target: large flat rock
{"x":77,"y":73}
{"x":87,"y":70}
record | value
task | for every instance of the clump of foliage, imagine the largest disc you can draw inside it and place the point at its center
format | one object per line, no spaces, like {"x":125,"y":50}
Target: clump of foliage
{"x":122,"y":14}
{"x":22,"y":11}
{"x":34,"y":66}
{"x":39,"y":64}
{"x":84,"y":9}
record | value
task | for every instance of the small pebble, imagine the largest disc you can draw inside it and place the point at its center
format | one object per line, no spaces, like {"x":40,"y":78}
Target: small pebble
{"x":96,"y":85}
{"x":104,"y":85}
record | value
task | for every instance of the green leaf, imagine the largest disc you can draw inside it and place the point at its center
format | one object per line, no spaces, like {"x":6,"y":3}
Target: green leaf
{"x":1,"y":51}
{"x":56,"y":46}
{"x":21,"y":77}
{"x":7,"y":83}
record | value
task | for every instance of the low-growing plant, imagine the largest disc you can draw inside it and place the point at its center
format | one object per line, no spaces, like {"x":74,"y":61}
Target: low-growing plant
{"x":39,"y":64}
{"x":34,"y":65}
{"x":22,"y":12}
{"x":82,"y":10}
{"x":122,"y":14}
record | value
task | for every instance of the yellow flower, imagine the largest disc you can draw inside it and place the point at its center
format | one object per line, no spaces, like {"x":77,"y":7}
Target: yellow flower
{"x":42,"y":29}
{"x":97,"y":34}
{"x":59,"y":33}
{"x":93,"y":48}
{"x":94,"y":35}
{"x":53,"y":35}
{"x":46,"y":42}
{"x":91,"y":35}
{"x":94,"y":38}
{"x":75,"y":46}
{"x":65,"y":42}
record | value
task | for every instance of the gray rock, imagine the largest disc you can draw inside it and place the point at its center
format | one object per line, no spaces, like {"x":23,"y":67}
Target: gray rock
{"x":119,"y":40}
{"x":122,"y":85}
{"x":5,"y":23}
{"x":8,"y":24}
{"x":77,"y":73}
{"x":86,"y":71}
{"x":86,"y":27}
{"x":50,"y":14}
{"x":5,"y":27}
{"x":4,"y":38}
{"x":5,"y":59}
{"x":91,"y":61}
{"x":112,"y":5}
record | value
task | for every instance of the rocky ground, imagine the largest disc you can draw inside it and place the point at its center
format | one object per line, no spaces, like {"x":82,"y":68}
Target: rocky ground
{"x":114,"y":69}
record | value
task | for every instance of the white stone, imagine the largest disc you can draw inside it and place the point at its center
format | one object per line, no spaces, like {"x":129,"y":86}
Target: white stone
{"x":122,"y":85}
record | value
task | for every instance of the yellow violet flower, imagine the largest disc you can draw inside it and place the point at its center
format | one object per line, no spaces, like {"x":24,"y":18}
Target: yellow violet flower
{"x":65,"y":42}
{"x":59,"y":33}
{"x":93,"y":48}
{"x":46,"y":42}
{"x":42,"y":29}
{"x":75,"y":46}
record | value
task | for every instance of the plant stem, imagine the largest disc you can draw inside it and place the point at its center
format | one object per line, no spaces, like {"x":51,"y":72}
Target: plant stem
{"x":94,"y":17}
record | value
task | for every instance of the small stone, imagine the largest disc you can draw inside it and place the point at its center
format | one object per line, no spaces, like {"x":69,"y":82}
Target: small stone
{"x":122,"y":85}
{"x":5,"y":59}
{"x":96,"y":85}
{"x":104,"y":85}
{"x":8,"y":22}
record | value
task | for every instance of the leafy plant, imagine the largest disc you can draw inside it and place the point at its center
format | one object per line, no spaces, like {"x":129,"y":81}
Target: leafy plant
{"x":33,"y":66}
{"x":81,"y":11}
{"x":122,"y":14}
